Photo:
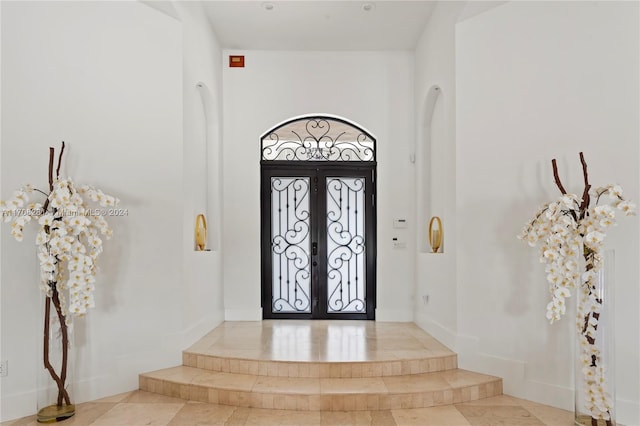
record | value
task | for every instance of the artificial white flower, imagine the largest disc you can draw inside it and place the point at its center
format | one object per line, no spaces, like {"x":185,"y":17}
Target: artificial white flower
{"x":46,"y":220}
{"x":22,"y":220}
{"x":48,"y":265}
{"x":42,"y":238}
{"x":615,"y":191}
{"x":569,"y":201}
{"x":551,"y":255}
{"x":562,"y":292}
{"x":571,"y":264}
{"x":553,"y":279}
{"x":594,"y":238}
{"x":566,"y":230}
{"x":604,"y":211}
{"x":627,"y":207}
{"x":65,"y":234}
{"x":607,"y":222}
{"x":17,"y":234}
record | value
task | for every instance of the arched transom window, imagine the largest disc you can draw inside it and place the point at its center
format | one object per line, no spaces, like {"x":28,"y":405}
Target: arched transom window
{"x":318,"y":138}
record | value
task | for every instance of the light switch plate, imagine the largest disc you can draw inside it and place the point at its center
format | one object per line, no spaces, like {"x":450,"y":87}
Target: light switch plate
{"x":399,"y":223}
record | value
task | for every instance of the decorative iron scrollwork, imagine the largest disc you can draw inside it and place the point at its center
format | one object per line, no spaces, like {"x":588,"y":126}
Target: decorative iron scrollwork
{"x":290,"y":242}
{"x":318,"y":138}
{"x":345,"y":245}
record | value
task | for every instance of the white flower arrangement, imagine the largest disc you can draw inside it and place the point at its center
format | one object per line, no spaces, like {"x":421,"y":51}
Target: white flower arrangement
{"x":567,"y":228}
{"x":69,"y":241}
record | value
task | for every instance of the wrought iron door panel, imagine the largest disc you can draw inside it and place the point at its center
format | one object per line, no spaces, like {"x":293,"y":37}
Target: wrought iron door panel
{"x":318,"y":219}
{"x":346,"y":256}
{"x":290,"y":245}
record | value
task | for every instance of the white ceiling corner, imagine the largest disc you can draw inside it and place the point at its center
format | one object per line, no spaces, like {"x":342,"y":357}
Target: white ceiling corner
{"x":163,"y":6}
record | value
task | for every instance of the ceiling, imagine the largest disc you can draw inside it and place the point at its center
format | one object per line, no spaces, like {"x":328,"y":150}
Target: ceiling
{"x":318,"y":25}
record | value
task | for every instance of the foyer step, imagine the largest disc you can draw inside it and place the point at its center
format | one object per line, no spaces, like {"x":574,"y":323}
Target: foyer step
{"x":322,"y":393}
{"x":319,"y":349}
{"x":391,"y":367}
{"x":321,"y":365}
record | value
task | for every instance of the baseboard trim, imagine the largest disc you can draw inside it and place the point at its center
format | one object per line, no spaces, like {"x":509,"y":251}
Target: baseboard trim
{"x":18,"y":405}
{"x":243,"y":314}
{"x":513,"y":372}
{"x":443,"y":334}
{"x":124,"y":377}
{"x":394,"y":315}
{"x":25,"y":404}
{"x":198,"y":330}
{"x":628,"y":412}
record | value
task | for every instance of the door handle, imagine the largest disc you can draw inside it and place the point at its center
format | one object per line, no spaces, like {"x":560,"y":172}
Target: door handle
{"x":314,"y":249}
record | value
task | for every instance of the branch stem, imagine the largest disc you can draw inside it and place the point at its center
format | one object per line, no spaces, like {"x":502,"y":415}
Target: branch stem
{"x":586,"y":199}
{"x":51,"y":159}
{"x":60,"y":381}
{"x":59,"y":161}
{"x":557,"y":177}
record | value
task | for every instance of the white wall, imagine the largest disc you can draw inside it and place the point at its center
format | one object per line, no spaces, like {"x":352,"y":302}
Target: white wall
{"x":527,"y":81}
{"x":373,"y":89}
{"x":202,"y":162}
{"x":537,"y":81}
{"x":106,"y":77}
{"x":436,"y":172}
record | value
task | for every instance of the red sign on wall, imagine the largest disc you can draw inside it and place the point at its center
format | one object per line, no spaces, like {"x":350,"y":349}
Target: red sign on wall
{"x":236,"y":61}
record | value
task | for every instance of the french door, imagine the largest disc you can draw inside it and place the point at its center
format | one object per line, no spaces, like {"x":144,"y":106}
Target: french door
{"x":318,"y":241}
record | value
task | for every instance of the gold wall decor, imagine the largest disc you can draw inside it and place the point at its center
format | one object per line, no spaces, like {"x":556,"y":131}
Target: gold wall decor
{"x":436,"y":233}
{"x":201,"y":232}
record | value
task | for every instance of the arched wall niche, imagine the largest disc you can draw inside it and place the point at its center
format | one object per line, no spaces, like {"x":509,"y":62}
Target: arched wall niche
{"x":213,"y":186}
{"x":430,"y":161}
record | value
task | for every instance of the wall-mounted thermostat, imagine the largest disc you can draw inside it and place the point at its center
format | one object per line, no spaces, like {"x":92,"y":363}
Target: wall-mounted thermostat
{"x":399,"y":243}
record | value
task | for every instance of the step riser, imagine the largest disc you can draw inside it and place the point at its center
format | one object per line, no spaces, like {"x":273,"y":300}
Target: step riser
{"x":320,"y":369}
{"x":323,"y":402}
{"x":333,"y":366}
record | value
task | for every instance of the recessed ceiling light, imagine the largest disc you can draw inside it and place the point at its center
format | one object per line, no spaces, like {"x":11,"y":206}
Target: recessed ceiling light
{"x":268,"y":6}
{"x":368,"y":7}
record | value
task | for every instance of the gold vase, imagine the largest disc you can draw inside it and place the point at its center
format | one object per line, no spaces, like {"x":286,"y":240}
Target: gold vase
{"x":436,"y":233}
{"x":201,"y":232}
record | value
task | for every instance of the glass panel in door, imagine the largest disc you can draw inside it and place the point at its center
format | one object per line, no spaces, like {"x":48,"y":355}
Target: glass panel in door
{"x":346,"y":256}
{"x":290,"y":245}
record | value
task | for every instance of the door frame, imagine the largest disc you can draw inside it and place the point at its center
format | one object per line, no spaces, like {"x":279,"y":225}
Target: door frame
{"x":318,"y":300}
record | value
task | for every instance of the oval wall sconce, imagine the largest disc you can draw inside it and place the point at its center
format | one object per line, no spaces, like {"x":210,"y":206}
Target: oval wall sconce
{"x":436,"y":233}
{"x":201,"y":232}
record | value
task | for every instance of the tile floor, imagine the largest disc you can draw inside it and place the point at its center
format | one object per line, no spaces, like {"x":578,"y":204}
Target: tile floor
{"x":267,"y":344}
{"x":140,"y":408}
{"x":320,"y":366}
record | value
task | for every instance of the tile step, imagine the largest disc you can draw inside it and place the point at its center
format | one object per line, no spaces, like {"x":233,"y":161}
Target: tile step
{"x":322,"y":393}
{"x":274,"y":368}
